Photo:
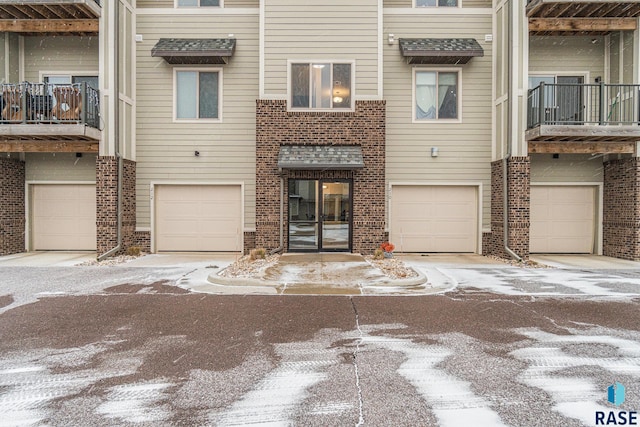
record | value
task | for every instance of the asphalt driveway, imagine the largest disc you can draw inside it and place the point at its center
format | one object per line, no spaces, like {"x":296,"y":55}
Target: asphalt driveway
{"x":131,"y":345}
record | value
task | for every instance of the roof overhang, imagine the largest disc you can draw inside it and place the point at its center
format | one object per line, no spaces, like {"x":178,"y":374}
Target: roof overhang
{"x":194,"y":51}
{"x":320,"y":157}
{"x":439,"y":51}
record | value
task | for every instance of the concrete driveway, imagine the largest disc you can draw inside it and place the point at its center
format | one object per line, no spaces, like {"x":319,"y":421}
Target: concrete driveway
{"x":575,"y":275}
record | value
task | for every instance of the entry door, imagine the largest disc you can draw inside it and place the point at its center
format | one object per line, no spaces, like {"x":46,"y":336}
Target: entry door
{"x":319,"y":215}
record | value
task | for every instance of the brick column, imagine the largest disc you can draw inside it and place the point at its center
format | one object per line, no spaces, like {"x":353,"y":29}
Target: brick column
{"x":107,"y":204}
{"x":518,"y":181}
{"x":364,"y":127}
{"x":621,"y":210}
{"x":12,"y":206}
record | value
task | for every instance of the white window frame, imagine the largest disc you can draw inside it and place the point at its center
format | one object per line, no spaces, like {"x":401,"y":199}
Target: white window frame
{"x":331,"y":62}
{"x":459,"y":95}
{"x":177,"y":6}
{"x":176,"y":70}
{"x":415,"y":5}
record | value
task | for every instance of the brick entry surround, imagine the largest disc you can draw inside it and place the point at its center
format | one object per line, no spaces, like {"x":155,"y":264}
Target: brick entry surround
{"x":621,"y":210}
{"x":107,"y":204}
{"x":275,"y":126}
{"x":519,"y":172}
{"x":12,"y":206}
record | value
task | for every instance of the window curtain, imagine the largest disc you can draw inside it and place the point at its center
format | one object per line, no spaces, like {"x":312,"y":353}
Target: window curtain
{"x":425,"y":95}
{"x":186,"y":101}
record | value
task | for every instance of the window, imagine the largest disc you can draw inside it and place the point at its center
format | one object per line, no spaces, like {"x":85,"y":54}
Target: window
{"x":436,"y":96}
{"x":91,"y":81}
{"x":320,"y":85}
{"x":436,"y":3}
{"x":197,"y":94}
{"x":198,"y":3}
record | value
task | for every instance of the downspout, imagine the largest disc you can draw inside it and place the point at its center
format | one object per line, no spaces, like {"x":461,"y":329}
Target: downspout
{"x":281,"y":247}
{"x":116,"y":121}
{"x":505,"y":162}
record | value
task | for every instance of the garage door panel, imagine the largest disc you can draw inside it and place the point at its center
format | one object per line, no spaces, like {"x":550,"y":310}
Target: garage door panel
{"x":198,"y":218}
{"x":63,"y":217}
{"x":562,"y":219}
{"x":434,"y":218}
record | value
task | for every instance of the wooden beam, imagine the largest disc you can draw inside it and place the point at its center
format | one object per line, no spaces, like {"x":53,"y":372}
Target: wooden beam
{"x":49,"y":26}
{"x":49,"y":147}
{"x":581,"y":147}
{"x":583,"y":24}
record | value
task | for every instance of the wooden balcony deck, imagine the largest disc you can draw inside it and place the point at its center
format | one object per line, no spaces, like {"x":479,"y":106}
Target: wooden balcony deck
{"x":581,"y":17}
{"x":47,"y":17}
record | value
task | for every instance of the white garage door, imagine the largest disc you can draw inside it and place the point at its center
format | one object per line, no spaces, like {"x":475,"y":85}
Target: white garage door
{"x":562,"y":219}
{"x":63,"y":217}
{"x":434,"y":218}
{"x":198,"y":218}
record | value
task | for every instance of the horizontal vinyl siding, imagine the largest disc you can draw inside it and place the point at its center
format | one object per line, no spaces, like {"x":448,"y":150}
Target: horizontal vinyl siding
{"x":566,"y":55}
{"x":566,"y":168}
{"x":329,"y":30}
{"x":409,"y":3}
{"x":145,"y":4}
{"x":60,"y":167}
{"x":59,"y":54}
{"x":464,"y":148}
{"x":241,"y":3}
{"x":165,"y":150}
{"x":155,"y":3}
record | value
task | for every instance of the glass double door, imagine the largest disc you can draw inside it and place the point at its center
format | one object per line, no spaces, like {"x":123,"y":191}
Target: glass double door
{"x":319,"y":215}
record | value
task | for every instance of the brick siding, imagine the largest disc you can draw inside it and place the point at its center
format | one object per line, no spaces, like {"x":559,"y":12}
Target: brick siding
{"x":107,"y":204}
{"x":275,"y":126}
{"x":12,"y":206}
{"x":621,"y":209}
{"x":519,"y":172}
{"x":249,"y":241}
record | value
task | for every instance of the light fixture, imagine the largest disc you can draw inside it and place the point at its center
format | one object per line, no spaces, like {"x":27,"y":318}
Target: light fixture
{"x":391,"y":38}
{"x":434,"y":151}
{"x":196,"y":153}
{"x":318,"y":66}
{"x":337,"y":100}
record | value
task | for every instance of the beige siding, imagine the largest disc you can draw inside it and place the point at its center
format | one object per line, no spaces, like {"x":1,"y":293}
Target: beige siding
{"x":155,"y":3}
{"x":165,"y":150}
{"x":566,"y":168}
{"x":566,"y":55}
{"x":59,"y":54}
{"x":170,"y":3}
{"x":60,"y":167}
{"x":241,"y":3}
{"x":409,"y":3}
{"x":328,"y":30}
{"x":465,"y":148}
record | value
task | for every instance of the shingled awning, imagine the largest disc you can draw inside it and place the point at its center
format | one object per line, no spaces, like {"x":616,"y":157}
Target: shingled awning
{"x":195,"y":51}
{"x":315,"y":157}
{"x":440,"y":51}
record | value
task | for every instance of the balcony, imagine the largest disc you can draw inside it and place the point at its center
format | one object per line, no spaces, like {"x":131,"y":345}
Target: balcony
{"x":41,"y":117}
{"x":583,"y":118}
{"x":47,"y":17}
{"x":581,"y":17}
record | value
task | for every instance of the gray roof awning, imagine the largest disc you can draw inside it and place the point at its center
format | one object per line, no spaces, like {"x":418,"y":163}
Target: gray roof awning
{"x":440,"y":51}
{"x":195,"y":51}
{"x":320,"y":157}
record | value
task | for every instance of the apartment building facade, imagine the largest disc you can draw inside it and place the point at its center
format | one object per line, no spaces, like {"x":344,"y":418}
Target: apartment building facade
{"x":441,"y":126}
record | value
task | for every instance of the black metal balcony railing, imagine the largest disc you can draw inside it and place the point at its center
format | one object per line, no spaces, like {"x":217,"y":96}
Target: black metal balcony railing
{"x":43,"y":103}
{"x":583,"y":104}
